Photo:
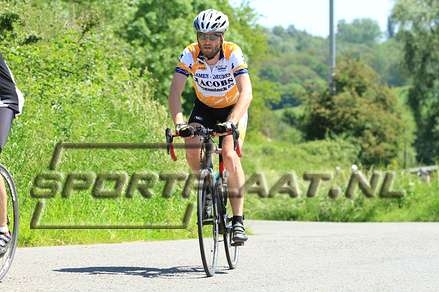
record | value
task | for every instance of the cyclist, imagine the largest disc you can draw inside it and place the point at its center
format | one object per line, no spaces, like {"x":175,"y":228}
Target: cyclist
{"x":11,"y":104}
{"x":223,"y":95}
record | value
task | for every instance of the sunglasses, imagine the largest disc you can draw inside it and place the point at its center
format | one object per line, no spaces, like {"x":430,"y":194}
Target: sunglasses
{"x":211,"y":37}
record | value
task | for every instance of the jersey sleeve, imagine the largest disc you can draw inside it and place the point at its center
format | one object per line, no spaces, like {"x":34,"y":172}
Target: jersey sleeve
{"x":239,"y":66}
{"x":185,"y":63}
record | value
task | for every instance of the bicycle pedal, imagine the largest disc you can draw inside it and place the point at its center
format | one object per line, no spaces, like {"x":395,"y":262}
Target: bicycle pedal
{"x":237,"y":244}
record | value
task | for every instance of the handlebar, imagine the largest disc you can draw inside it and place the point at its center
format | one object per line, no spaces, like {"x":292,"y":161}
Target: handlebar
{"x":205,"y":133}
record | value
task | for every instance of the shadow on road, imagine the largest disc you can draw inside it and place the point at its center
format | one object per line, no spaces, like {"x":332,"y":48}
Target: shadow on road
{"x":179,"y":271}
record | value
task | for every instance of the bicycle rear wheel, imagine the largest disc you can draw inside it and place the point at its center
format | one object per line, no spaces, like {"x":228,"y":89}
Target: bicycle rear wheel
{"x":232,"y":252}
{"x":208,"y":226}
{"x":13,"y":217}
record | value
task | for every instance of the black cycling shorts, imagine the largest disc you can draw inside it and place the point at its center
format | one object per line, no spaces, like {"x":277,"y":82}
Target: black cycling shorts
{"x":6,"y":117}
{"x":209,"y":117}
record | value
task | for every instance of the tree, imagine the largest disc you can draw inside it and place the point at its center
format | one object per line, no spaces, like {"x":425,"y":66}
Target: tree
{"x":418,"y":28}
{"x":363,"y":109}
{"x":278,"y":30}
{"x":360,"y":31}
{"x":158,"y":33}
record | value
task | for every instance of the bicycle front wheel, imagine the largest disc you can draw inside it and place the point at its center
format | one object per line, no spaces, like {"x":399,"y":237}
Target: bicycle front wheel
{"x":12,"y":214}
{"x":232,"y":251}
{"x":208,"y":223}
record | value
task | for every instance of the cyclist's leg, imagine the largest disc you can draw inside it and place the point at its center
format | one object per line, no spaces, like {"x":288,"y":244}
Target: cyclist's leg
{"x":6,"y":117}
{"x":236,"y":178}
{"x":233,"y":165}
{"x":236,"y":181}
{"x":193,"y":144}
{"x":201,"y":115}
{"x":193,"y":147}
{"x":5,"y":235}
{"x":3,"y":203}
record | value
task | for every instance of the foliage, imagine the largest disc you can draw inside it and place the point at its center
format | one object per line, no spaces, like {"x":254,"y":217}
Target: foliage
{"x":78,"y":88}
{"x":419,"y":203}
{"x":360,"y":31}
{"x":363,"y":109}
{"x":295,"y":59}
{"x":418,"y":29}
{"x":333,"y":157}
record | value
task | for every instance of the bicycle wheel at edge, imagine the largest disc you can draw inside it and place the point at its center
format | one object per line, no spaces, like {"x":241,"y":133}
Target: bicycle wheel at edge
{"x":232,"y":252}
{"x":13,"y":217}
{"x":207,"y":229}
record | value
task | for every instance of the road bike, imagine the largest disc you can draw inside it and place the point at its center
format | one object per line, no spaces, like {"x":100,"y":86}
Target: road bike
{"x":13,"y":219}
{"x":214,"y":221}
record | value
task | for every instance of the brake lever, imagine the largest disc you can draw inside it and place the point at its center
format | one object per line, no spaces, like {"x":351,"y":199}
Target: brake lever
{"x":236,"y":146}
{"x":169,"y":144}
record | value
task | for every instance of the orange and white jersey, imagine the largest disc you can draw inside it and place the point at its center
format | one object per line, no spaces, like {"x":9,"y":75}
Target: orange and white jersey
{"x":215,"y":85}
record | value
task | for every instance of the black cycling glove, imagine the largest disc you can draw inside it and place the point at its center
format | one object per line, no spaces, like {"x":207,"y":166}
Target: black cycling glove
{"x":184,"y":130}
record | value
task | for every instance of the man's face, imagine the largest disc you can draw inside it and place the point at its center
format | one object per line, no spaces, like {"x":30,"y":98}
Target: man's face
{"x":210,"y":43}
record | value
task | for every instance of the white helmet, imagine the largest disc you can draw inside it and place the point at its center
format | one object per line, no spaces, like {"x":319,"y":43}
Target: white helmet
{"x":211,"y":20}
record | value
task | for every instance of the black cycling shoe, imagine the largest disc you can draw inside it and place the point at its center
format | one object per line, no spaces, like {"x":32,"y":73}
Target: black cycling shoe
{"x":239,"y":236}
{"x":5,"y":239}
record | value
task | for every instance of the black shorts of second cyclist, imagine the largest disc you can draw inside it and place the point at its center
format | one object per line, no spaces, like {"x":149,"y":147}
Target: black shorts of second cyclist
{"x":208,"y":116}
{"x":6,"y":117}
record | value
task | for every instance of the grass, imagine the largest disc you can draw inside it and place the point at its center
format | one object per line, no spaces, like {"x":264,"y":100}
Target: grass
{"x":420,"y":201}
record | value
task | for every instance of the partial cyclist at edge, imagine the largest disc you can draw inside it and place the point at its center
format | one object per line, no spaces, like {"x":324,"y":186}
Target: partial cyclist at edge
{"x":223,"y":95}
{"x":11,"y":104}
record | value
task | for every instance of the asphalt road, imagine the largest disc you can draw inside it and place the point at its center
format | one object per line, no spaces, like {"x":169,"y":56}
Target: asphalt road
{"x":280,"y":256}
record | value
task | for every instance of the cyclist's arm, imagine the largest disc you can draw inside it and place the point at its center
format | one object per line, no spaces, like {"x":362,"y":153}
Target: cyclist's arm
{"x":177,"y":86}
{"x":245,"y":97}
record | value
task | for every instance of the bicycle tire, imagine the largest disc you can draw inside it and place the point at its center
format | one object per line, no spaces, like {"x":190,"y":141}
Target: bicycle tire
{"x":13,"y":212}
{"x":208,"y":230}
{"x":232,"y":252}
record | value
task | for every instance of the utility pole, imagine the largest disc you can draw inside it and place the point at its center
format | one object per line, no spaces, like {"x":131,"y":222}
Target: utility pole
{"x":331,"y":74}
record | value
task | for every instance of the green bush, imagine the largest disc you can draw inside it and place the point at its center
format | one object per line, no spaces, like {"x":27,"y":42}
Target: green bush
{"x":363,"y":109}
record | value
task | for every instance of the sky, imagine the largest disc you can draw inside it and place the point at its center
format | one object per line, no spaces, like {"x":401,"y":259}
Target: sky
{"x":313,"y":15}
